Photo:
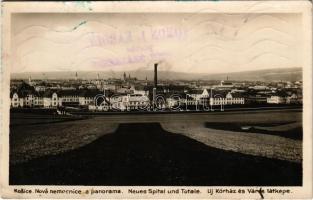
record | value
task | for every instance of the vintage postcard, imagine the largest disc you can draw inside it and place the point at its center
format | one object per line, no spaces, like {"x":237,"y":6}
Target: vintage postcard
{"x":193,"y":100}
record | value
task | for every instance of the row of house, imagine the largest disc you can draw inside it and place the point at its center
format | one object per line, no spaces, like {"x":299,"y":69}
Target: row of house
{"x":293,"y":99}
{"x":140,"y":98}
{"x":27,"y":96}
{"x":121,"y":102}
{"x":166,"y":100}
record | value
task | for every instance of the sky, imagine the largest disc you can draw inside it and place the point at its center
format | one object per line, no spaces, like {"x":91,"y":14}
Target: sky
{"x":198,"y":43}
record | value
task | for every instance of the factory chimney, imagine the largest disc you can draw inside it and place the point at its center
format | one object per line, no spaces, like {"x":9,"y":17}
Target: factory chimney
{"x":155,"y":85}
{"x":155,"y":75}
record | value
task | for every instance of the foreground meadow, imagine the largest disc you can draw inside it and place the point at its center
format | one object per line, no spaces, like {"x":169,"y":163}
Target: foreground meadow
{"x":160,"y":149}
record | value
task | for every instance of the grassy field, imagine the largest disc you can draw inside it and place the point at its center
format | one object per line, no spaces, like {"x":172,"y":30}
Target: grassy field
{"x":34,"y":136}
{"x":170,"y":149}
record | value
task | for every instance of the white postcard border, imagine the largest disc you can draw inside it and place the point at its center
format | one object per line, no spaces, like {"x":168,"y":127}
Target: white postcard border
{"x":303,"y":7}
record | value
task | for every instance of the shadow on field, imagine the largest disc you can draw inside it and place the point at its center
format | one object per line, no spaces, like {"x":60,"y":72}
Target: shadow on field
{"x":145,"y":154}
{"x":293,"y":133}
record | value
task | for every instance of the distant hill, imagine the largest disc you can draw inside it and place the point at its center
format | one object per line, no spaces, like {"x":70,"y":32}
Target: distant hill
{"x":284,"y":74}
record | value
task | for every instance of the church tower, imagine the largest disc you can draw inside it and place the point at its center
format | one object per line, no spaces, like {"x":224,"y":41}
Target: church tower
{"x":30,"y":80}
{"x":124,"y":76}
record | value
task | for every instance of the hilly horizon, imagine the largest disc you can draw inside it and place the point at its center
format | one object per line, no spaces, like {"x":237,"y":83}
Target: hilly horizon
{"x":277,"y":74}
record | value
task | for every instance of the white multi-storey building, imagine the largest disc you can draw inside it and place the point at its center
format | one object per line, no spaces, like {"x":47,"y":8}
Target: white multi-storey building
{"x":276,"y":100}
{"x":52,"y":98}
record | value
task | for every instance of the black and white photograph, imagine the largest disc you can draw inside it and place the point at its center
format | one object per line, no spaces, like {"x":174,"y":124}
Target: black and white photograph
{"x":156,"y":99}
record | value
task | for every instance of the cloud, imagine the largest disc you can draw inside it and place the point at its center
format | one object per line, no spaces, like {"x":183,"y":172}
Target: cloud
{"x":203,"y":43}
